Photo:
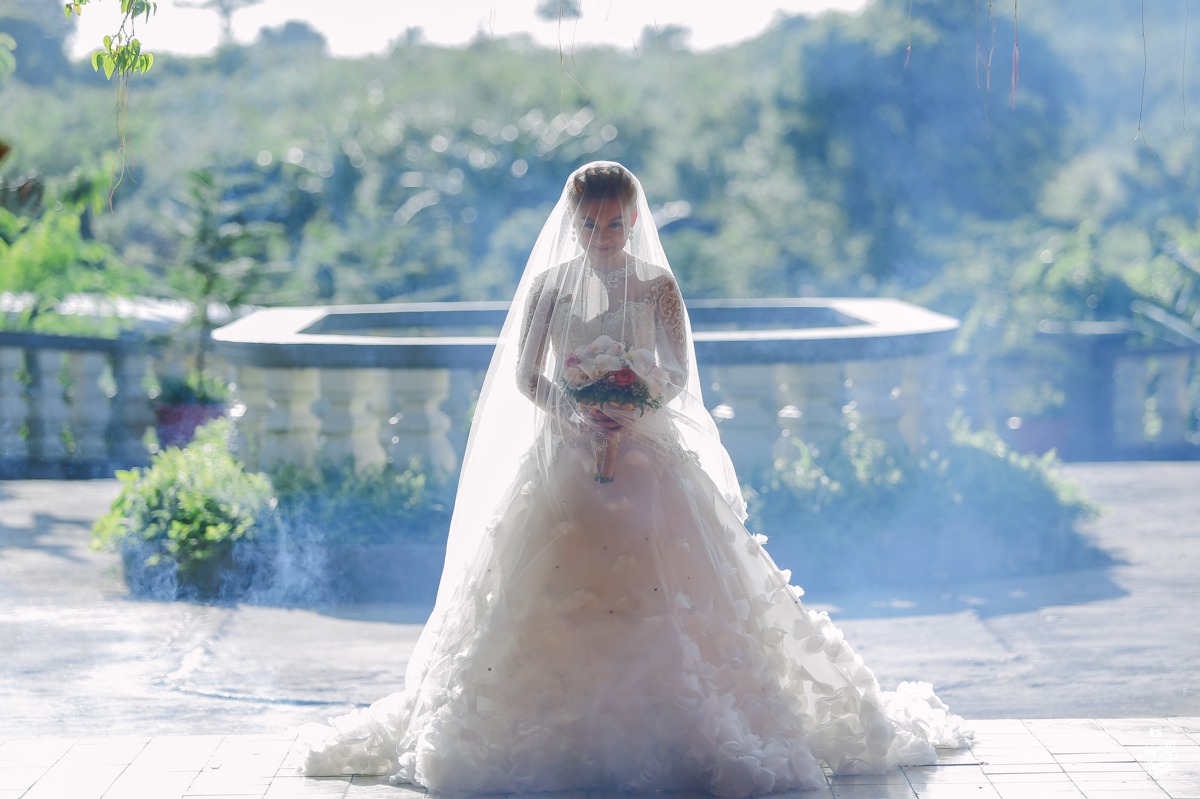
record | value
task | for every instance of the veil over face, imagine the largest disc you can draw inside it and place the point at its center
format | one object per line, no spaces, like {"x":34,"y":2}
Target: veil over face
{"x":595,"y":259}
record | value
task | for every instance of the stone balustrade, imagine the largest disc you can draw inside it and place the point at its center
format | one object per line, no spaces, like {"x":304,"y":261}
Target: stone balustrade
{"x":372,"y":384}
{"x":71,"y":406}
{"x":378,"y":383}
{"x":1121,"y":398}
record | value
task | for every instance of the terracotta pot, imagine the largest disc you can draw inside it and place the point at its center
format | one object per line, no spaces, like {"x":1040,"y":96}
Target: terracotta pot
{"x":177,"y":423}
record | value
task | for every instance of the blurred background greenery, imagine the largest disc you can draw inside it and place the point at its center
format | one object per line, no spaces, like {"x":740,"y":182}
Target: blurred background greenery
{"x":887,"y":153}
{"x":824,"y":157}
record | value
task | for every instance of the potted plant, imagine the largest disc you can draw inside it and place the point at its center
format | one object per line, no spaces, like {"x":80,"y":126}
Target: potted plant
{"x":177,"y":522}
{"x":187,"y":402}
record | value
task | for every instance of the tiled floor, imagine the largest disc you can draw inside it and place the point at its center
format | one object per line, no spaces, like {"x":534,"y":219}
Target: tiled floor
{"x":1010,"y":759}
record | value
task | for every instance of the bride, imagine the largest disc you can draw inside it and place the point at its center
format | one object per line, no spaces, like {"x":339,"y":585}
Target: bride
{"x":604,"y":619}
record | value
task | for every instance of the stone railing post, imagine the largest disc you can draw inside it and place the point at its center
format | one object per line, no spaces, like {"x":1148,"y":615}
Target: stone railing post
{"x":748,"y":423}
{"x":249,"y":413}
{"x":47,"y":408}
{"x":811,"y":398}
{"x":465,"y":385}
{"x":352,"y":410}
{"x":926,"y":402}
{"x":131,"y":414}
{"x":1129,"y":401}
{"x":289,"y":427}
{"x":14,"y":406}
{"x":421,"y":426}
{"x":874,"y":388}
{"x":1172,"y":398}
{"x":89,"y":410}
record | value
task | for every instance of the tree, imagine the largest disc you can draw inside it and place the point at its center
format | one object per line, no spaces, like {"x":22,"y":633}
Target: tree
{"x":552,"y":10}
{"x":905,"y":151}
{"x":293,"y":34}
{"x":225,"y":257}
{"x":7,"y":62}
{"x":225,"y":10}
{"x":665,"y":38}
{"x":48,"y":252}
{"x":32,"y":43}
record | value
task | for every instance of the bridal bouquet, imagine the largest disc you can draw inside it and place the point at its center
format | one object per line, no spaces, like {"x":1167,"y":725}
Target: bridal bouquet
{"x":602,"y":374}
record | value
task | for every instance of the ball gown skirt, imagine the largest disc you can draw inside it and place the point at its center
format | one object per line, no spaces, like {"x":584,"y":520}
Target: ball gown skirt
{"x":629,"y":636}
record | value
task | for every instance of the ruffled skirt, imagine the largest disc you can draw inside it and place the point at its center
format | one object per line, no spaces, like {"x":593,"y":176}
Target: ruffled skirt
{"x":629,"y":636}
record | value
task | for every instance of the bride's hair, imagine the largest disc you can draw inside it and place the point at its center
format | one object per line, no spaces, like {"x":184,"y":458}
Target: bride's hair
{"x":602,"y":180}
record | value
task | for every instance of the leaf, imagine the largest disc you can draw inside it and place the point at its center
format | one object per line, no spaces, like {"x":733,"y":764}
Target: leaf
{"x":110,"y":64}
{"x":96,"y":60}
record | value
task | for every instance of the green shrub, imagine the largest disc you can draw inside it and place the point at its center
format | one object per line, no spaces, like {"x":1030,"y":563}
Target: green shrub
{"x":373,"y":505}
{"x":51,"y":257}
{"x":971,"y":509}
{"x":195,"y":523}
{"x":176,"y":522}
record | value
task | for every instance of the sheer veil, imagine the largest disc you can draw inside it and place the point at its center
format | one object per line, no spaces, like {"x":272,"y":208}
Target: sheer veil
{"x":616,"y":627}
{"x":559,"y":289}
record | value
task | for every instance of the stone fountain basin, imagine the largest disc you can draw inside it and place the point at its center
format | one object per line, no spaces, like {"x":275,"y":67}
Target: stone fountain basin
{"x":463,"y":334}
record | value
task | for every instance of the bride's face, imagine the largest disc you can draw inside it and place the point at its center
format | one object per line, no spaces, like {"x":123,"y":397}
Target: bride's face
{"x":603,"y":227}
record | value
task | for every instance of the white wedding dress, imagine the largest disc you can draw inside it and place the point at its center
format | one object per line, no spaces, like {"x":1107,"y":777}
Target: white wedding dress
{"x":630,"y":636}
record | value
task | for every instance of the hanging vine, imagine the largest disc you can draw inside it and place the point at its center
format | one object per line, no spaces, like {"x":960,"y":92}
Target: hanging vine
{"x":1016,"y":63}
{"x":1183,"y":67}
{"x":122,"y":56}
{"x":1145,"y":69}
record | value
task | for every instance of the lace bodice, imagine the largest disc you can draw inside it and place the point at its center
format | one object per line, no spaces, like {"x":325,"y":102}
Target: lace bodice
{"x":632,"y":322}
{"x":654,"y":321}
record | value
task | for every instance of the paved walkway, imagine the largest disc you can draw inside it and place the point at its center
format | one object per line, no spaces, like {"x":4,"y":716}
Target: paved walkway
{"x":198,"y":694}
{"x":1046,"y":759}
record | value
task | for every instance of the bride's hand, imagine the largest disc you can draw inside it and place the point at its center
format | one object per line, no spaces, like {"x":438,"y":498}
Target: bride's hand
{"x":596,"y":419}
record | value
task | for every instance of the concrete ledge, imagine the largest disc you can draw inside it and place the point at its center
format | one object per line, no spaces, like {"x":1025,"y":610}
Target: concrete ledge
{"x":410,"y":335}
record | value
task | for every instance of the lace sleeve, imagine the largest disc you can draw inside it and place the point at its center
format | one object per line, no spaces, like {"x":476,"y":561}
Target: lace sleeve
{"x":670,"y":331}
{"x":535,"y":323}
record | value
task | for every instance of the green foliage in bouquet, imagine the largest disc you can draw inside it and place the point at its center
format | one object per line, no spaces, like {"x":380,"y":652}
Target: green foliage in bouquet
{"x":177,"y":521}
{"x":616,"y":388}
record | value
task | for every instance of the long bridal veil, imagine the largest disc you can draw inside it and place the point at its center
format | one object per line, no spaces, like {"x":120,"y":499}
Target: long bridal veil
{"x":623,"y":629}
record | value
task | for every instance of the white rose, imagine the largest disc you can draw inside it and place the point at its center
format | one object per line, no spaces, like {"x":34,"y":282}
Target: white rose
{"x":576,"y":377}
{"x":589,"y":369}
{"x":642,"y":362}
{"x":607,"y":363}
{"x":602,"y":343}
